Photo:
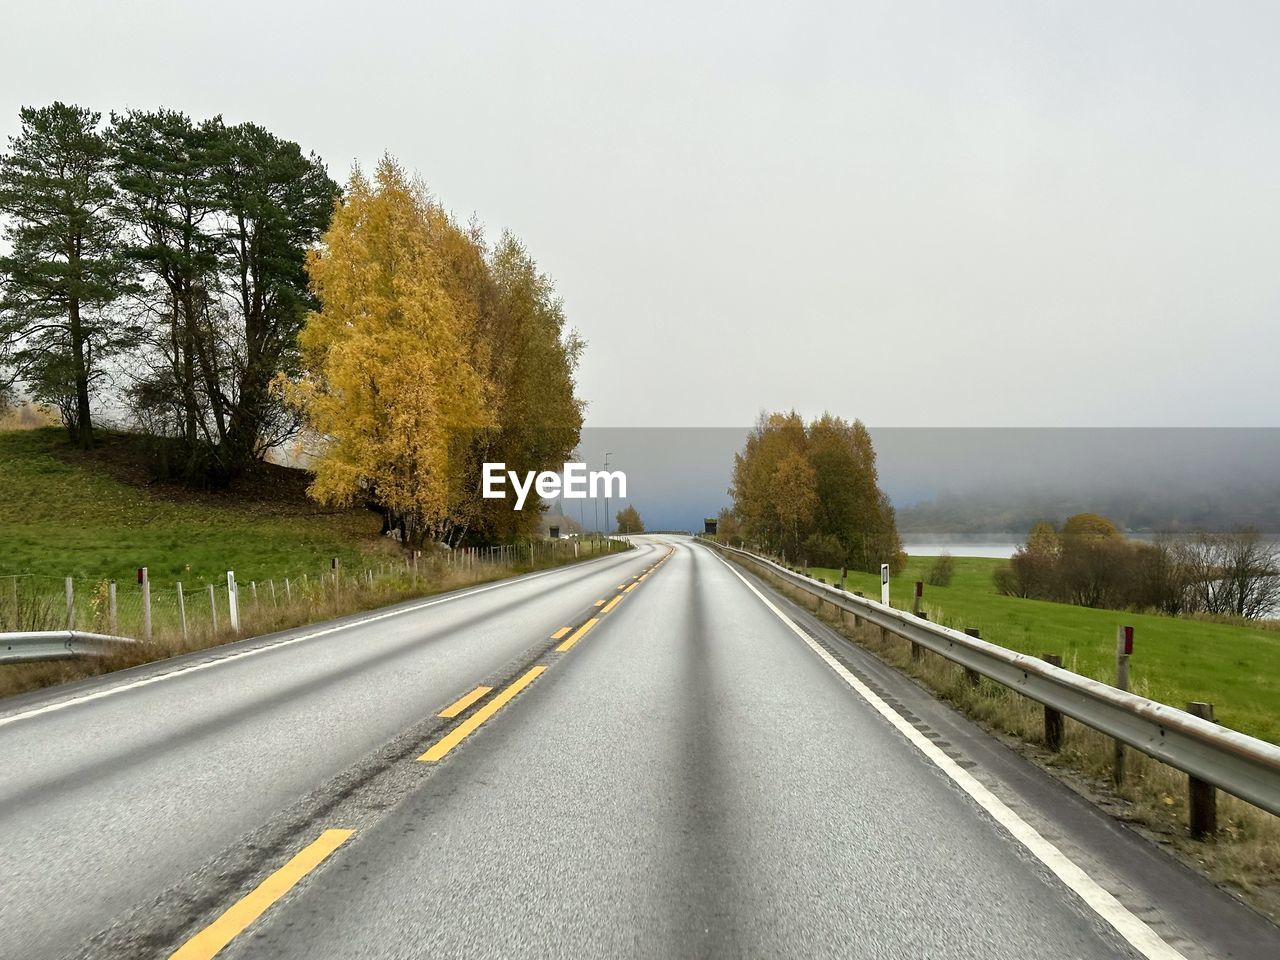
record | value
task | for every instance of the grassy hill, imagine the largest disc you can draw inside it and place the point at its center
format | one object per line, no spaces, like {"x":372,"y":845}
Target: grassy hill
{"x":97,"y":515}
{"x":1236,"y":668}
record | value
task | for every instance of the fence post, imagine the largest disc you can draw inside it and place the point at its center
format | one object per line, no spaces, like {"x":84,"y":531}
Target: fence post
{"x":973,"y":676}
{"x":253,"y":589}
{"x":1202,"y":797}
{"x":182,"y":612}
{"x":233,"y":602}
{"x":71,"y":604}
{"x":111,"y":608}
{"x":1124,"y":648}
{"x":146,"y":604}
{"x":213,"y":607}
{"x":1052,"y":718}
{"x":274,"y":602}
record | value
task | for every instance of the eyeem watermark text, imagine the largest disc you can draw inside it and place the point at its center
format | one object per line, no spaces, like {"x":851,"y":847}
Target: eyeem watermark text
{"x":575,"y":482}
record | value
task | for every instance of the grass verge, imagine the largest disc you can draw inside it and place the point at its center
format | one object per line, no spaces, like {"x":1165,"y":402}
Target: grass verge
{"x":312,"y":600}
{"x":1176,"y":660}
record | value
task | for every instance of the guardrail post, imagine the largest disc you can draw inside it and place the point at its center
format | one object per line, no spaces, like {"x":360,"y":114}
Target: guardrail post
{"x":71,"y":604}
{"x":111,"y":608}
{"x":1052,"y":718}
{"x":857,"y":620}
{"x":1202,"y":796}
{"x":917,"y":651}
{"x":182,"y":612}
{"x":146,"y":604}
{"x":973,"y":676}
{"x":1124,"y":648}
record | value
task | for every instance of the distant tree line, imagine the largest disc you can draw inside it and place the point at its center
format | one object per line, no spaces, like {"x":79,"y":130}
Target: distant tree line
{"x":1239,"y":497}
{"x":810,"y":492}
{"x":1090,"y":563}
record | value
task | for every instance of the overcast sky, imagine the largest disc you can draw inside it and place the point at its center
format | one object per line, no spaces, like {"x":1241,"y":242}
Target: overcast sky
{"x":925,"y":214}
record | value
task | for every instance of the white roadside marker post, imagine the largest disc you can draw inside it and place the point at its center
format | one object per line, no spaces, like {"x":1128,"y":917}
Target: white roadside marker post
{"x":233,"y":603}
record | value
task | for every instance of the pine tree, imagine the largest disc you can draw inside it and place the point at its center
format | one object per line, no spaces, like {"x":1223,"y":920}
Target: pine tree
{"x":64,"y":269}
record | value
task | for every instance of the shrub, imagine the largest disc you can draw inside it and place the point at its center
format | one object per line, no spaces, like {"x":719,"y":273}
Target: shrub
{"x":941,"y":571}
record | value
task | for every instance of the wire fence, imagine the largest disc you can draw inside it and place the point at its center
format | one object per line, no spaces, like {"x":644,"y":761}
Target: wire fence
{"x":197,"y":613}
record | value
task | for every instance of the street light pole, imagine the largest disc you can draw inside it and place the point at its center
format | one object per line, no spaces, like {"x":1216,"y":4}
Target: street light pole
{"x":608,"y":524}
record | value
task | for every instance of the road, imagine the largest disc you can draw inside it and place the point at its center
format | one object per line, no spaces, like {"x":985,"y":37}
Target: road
{"x":703,"y":772}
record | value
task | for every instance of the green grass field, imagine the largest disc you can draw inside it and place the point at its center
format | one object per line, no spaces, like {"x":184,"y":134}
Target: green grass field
{"x":1236,"y":668}
{"x":65,"y":515}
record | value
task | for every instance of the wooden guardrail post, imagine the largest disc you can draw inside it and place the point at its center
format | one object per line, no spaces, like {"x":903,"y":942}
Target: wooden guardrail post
{"x":973,"y":676}
{"x":1052,"y":718}
{"x":1202,"y":796}
{"x":1124,"y":649}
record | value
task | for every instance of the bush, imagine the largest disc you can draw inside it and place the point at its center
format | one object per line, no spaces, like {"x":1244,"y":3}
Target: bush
{"x":941,"y":571}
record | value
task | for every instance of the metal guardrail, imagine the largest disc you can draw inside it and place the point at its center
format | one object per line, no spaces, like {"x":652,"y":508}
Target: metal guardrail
{"x":1244,"y":766}
{"x":36,"y":645}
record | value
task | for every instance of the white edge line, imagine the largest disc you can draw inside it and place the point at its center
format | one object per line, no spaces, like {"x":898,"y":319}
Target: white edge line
{"x":275,"y":645}
{"x":1140,"y":936}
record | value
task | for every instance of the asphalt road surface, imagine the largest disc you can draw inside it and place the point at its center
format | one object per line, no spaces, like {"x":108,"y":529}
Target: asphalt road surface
{"x":649,"y":755}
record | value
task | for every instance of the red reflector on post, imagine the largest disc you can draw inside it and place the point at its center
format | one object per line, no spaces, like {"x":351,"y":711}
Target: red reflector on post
{"x":1128,"y":641}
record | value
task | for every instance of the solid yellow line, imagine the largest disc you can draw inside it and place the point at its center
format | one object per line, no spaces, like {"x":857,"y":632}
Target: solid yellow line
{"x":210,"y":941}
{"x":467,"y":727}
{"x":612,"y":603}
{"x":578,"y":635}
{"x":463,"y":702}
{"x":559,"y":633}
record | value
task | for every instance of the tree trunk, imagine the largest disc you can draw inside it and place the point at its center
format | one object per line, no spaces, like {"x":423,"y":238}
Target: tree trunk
{"x":80,"y":371}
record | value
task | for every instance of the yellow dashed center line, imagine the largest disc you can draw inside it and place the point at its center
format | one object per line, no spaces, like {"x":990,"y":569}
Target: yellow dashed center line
{"x":577,"y":635}
{"x":463,"y":702}
{"x":629,"y":589}
{"x":612,"y":603}
{"x":463,"y":730}
{"x":210,"y":941}
{"x":599,"y":603}
{"x":559,"y":633}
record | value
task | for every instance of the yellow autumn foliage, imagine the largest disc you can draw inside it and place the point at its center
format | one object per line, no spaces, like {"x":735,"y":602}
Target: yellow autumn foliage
{"x":387,"y":375}
{"x":429,"y":355}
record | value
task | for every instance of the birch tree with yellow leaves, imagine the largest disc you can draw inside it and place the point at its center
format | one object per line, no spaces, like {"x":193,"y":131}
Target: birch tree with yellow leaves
{"x":388,"y":380}
{"x":430,"y":354}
